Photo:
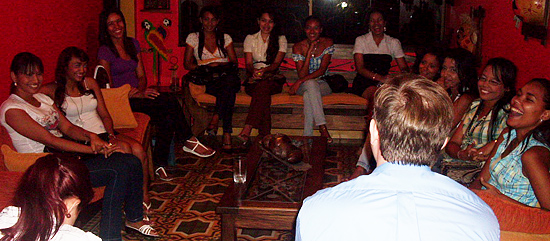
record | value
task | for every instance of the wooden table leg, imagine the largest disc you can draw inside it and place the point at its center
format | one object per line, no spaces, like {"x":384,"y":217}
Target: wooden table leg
{"x":229,"y":232}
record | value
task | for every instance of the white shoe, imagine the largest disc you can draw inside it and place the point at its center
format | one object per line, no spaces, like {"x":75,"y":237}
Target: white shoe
{"x":197,"y":144}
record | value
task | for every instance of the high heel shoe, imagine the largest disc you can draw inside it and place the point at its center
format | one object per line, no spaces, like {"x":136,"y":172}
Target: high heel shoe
{"x":244,"y":140}
{"x":324,"y":133}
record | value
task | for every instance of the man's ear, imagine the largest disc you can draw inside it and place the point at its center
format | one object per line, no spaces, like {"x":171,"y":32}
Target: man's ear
{"x":373,"y":132}
{"x":445,"y":144}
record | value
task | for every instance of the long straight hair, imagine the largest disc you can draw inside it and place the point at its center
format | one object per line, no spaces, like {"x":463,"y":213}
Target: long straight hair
{"x":61,"y":74}
{"x":220,"y":39}
{"x":40,"y":194}
{"x":105,"y":37}
{"x":273,"y":45}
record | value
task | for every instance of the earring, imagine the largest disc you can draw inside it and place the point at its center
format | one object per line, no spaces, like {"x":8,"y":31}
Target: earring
{"x":15,"y":83}
{"x":68,"y":215}
{"x":384,"y":29}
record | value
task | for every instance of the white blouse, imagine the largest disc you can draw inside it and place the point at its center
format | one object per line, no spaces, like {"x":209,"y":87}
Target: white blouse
{"x":253,"y":43}
{"x":208,"y":57}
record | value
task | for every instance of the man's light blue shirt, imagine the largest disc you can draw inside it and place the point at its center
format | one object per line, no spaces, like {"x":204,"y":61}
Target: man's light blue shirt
{"x":397,"y":202}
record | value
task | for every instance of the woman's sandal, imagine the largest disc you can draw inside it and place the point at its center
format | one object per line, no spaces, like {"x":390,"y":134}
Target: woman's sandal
{"x":197,"y":144}
{"x":162,"y":175}
{"x":244,"y":139}
{"x":145,"y":229}
{"x":324,"y":133}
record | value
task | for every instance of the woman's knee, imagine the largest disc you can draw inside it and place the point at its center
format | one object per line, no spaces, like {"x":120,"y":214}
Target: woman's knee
{"x":311,"y":85}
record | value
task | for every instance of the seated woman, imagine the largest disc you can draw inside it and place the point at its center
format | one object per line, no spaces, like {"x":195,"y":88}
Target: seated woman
{"x":121,"y":57}
{"x":263,"y":54}
{"x":373,"y":54}
{"x":211,"y":48}
{"x":35,"y":125}
{"x":459,"y":78}
{"x":56,"y":206}
{"x":519,"y":167}
{"x":483,"y":122}
{"x":429,"y":64}
{"x":80,"y":99}
{"x":312,"y":56}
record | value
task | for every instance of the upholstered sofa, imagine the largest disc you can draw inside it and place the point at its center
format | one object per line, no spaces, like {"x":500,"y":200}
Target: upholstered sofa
{"x":9,"y":160}
{"x":518,"y":222}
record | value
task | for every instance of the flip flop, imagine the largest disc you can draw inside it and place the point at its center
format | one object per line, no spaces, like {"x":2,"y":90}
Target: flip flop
{"x":163,"y":177}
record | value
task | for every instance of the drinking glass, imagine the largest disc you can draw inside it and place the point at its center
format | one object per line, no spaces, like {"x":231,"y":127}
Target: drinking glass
{"x":239,"y":170}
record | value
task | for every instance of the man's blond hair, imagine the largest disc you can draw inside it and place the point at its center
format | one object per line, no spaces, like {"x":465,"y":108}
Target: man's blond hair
{"x":414,"y":117}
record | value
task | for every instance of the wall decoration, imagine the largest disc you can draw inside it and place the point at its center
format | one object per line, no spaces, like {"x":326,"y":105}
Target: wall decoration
{"x":469,"y":32}
{"x":534,"y":17}
{"x":155,"y":38}
{"x":156,"y":4}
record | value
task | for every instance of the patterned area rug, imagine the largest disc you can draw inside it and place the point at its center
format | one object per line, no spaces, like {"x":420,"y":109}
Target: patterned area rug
{"x":184,"y":209}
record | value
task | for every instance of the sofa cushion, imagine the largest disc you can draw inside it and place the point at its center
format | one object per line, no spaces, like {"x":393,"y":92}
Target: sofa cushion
{"x":515,"y":217}
{"x":198,"y":93}
{"x":118,"y":105}
{"x":19,"y":162}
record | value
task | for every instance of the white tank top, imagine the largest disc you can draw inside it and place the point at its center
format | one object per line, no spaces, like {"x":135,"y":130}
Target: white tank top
{"x":82,"y":112}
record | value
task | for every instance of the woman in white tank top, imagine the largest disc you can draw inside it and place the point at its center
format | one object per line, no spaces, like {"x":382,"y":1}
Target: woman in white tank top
{"x":80,"y":99}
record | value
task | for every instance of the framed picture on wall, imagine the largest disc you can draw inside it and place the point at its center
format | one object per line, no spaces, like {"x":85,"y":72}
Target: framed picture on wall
{"x":156,"y":4}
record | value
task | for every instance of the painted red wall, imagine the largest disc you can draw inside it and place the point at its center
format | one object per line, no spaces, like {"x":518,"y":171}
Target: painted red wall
{"x":502,"y":39}
{"x":45,"y":28}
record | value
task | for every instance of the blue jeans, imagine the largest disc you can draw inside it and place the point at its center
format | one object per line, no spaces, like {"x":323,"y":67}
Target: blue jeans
{"x":122,"y":176}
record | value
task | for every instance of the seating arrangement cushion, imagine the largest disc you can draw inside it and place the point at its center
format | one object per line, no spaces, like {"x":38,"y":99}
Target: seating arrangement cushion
{"x":198,"y":93}
{"x":118,"y":105}
{"x":19,"y":162}
{"x":518,"y":222}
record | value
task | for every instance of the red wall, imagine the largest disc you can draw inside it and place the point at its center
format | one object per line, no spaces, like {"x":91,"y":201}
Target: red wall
{"x":502,"y":39}
{"x":45,"y":28}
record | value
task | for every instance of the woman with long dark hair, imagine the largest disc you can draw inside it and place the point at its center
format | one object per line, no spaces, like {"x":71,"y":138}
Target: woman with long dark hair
{"x":211,"y":49}
{"x":50,"y":195}
{"x":81,"y":100}
{"x":520,"y":163}
{"x":485,"y":119}
{"x":264,"y":52}
{"x":36,"y":125}
{"x":121,"y":57}
{"x":459,"y":78}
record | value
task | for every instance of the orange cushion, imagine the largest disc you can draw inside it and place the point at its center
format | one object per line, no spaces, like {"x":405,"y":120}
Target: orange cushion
{"x":198,"y":93}
{"x":19,"y":162}
{"x":515,"y":217}
{"x":118,"y":105}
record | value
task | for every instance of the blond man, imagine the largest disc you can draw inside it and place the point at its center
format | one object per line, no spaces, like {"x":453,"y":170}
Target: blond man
{"x":402,"y":199}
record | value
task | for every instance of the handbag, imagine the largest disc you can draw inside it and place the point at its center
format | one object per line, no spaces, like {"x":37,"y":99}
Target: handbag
{"x":205,"y":74}
{"x":336,"y":82}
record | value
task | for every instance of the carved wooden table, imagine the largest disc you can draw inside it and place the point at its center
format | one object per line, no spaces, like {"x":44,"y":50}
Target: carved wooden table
{"x":273,"y":193}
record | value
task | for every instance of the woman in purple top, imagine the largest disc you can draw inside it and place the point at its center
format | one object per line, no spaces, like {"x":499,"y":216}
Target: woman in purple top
{"x":121,"y":57}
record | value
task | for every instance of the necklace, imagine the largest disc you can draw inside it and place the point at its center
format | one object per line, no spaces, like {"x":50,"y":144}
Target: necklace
{"x":78,"y":121}
{"x":470,"y":130}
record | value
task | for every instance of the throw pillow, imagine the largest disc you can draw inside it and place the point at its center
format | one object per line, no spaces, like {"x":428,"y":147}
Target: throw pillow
{"x":19,"y":162}
{"x":118,"y":105}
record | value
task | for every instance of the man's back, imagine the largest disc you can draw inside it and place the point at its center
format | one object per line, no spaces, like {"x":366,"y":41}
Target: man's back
{"x":397,"y":202}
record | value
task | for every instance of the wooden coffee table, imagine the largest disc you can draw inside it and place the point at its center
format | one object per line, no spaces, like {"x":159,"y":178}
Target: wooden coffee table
{"x":273,"y":193}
